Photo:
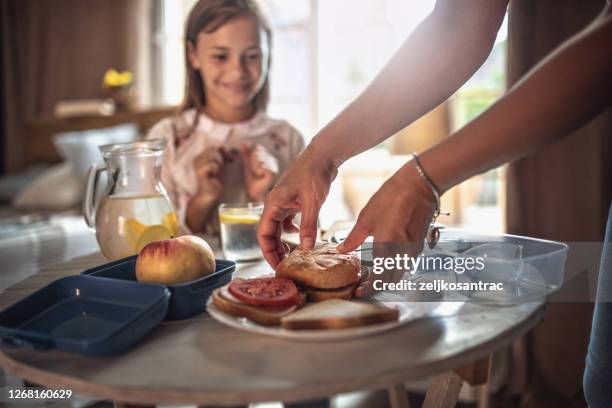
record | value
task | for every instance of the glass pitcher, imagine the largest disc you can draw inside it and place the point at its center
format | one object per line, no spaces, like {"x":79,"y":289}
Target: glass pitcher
{"x":134,"y":209}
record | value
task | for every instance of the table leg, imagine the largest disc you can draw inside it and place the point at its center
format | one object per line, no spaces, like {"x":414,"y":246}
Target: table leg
{"x":476,"y":373}
{"x":483,"y":396}
{"x":444,"y":391}
{"x":398,"y":397}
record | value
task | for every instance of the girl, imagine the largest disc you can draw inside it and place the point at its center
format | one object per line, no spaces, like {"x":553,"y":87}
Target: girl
{"x":222,"y":147}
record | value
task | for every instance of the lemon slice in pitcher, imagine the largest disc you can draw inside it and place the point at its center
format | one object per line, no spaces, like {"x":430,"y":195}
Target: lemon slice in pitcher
{"x":133,"y":231}
{"x":239,"y":218}
{"x":170,"y":221}
{"x":151,"y":234}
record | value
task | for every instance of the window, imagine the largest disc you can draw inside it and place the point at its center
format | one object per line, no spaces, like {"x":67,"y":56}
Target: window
{"x":482,"y":198}
{"x":293,"y":76}
{"x":169,"y":53}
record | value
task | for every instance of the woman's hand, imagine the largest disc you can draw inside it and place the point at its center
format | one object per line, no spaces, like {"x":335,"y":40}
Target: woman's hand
{"x":302,"y":188}
{"x":209,"y":166}
{"x":260,"y":171}
{"x":398,"y":217}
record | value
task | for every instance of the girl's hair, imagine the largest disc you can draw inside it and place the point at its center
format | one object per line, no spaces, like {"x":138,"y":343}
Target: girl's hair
{"x":208,"y":16}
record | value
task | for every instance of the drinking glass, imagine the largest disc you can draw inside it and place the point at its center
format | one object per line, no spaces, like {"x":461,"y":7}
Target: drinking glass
{"x":239,"y":224}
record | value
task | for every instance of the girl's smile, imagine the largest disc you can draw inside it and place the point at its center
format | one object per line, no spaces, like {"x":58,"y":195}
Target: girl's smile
{"x":239,"y":87}
{"x":233,"y":62}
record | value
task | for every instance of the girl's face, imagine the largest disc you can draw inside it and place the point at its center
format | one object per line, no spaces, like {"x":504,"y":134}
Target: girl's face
{"x":233,"y":63}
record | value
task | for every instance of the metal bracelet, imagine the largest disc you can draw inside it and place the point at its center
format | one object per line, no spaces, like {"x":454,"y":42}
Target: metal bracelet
{"x":430,"y":184}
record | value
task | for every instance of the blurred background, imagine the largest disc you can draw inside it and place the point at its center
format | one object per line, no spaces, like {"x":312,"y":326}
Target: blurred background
{"x":337,"y":47}
{"x":85,"y":67}
{"x":324,"y":54}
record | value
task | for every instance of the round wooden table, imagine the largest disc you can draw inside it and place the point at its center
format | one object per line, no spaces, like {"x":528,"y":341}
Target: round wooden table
{"x":200,"y":361}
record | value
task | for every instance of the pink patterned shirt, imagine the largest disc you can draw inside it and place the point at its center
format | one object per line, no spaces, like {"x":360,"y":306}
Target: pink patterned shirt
{"x":281,"y":139}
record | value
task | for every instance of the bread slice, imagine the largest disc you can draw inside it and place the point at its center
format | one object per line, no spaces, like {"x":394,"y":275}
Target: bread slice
{"x":319,"y":295}
{"x":323,"y":267}
{"x":266,"y":316}
{"x":338,"y":314}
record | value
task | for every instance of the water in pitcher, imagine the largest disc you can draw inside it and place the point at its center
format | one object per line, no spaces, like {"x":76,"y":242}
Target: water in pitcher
{"x":126,"y":224}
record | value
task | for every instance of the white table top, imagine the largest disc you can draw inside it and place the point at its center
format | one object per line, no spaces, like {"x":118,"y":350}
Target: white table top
{"x":200,"y":361}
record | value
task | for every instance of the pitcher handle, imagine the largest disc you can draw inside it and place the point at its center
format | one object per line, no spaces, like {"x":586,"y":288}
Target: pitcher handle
{"x":90,"y":191}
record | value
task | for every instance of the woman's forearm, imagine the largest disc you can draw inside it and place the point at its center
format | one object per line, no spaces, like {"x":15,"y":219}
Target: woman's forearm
{"x":559,"y":95}
{"x":434,"y":61}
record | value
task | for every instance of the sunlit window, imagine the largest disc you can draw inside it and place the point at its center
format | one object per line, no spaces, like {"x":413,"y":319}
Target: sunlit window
{"x":169,"y":38}
{"x":293,"y":76}
{"x":481,"y":200}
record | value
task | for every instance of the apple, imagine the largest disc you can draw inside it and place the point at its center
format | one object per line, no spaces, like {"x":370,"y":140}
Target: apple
{"x":175,"y":260}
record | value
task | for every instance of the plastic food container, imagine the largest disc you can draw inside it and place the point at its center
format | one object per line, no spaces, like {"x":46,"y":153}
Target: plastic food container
{"x":85,"y":315}
{"x":529,"y":268}
{"x":104,"y":310}
{"x":186,"y":299}
{"x":546,"y":257}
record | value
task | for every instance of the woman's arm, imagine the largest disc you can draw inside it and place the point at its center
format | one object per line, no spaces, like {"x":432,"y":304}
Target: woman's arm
{"x":434,"y":61}
{"x":564,"y":91}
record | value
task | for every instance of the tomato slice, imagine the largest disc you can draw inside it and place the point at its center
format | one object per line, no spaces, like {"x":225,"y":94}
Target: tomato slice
{"x":265,"y":291}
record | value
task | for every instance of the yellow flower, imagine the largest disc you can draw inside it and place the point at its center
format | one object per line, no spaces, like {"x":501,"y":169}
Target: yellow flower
{"x":112,"y":78}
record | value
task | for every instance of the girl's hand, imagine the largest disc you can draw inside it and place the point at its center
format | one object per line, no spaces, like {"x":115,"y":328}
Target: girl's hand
{"x":399,"y":213}
{"x":209,"y":166}
{"x":260,"y":170}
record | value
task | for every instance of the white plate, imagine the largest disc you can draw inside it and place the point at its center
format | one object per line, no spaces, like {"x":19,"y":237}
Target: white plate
{"x":408,"y":312}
